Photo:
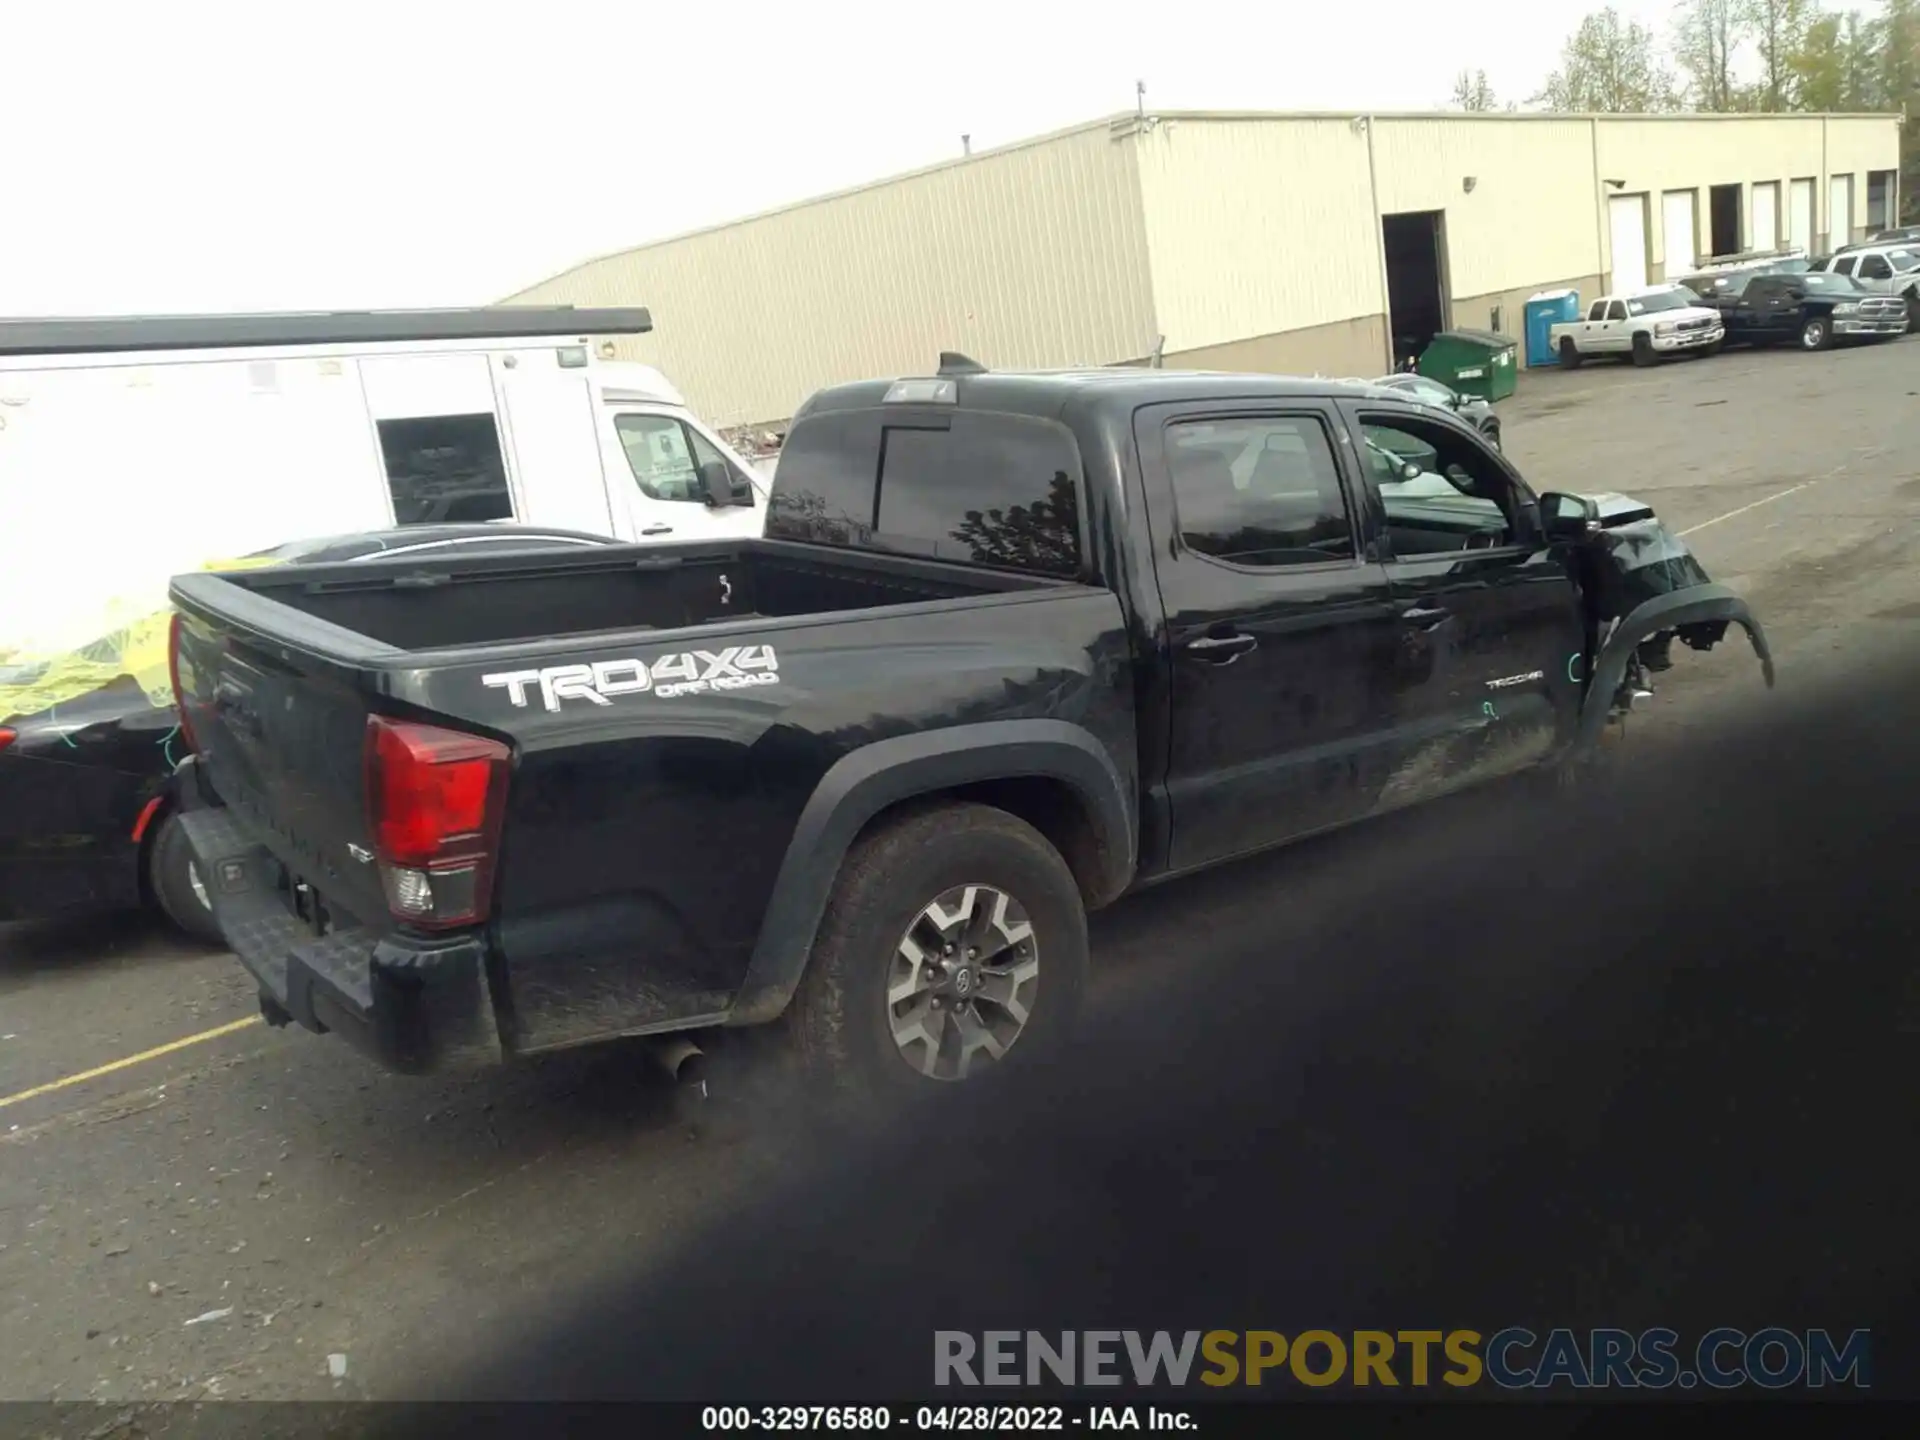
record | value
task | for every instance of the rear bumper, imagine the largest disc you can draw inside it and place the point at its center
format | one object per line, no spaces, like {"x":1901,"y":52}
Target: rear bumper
{"x":413,"y":1005}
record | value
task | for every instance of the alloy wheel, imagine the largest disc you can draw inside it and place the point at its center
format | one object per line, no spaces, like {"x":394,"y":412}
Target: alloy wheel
{"x":962,"y":981}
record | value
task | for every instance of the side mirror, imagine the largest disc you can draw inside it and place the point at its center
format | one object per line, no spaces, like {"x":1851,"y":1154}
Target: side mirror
{"x":1410,"y":471}
{"x":716,"y":484}
{"x":1568,"y":517}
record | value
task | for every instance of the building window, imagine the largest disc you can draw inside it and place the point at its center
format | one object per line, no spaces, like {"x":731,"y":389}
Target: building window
{"x":1880,"y":186}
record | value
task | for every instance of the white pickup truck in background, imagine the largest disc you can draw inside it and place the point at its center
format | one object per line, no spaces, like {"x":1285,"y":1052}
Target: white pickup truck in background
{"x":1645,"y":326}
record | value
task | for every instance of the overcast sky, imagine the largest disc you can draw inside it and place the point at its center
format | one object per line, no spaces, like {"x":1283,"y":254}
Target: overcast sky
{"x":206,"y":155}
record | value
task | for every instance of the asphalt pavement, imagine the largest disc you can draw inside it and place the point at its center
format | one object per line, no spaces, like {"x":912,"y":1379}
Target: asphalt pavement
{"x":193,"y":1205}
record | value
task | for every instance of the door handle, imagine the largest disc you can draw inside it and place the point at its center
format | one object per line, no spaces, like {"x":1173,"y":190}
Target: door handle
{"x":1426,"y":617}
{"x":656,"y":530}
{"x":1222,"y":649}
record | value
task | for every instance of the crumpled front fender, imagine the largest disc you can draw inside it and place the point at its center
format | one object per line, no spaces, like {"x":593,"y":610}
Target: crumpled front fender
{"x":1694,"y":605}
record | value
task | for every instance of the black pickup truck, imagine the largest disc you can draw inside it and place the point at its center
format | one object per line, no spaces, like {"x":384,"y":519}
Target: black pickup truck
{"x":1012,"y":646}
{"x":1811,"y":309}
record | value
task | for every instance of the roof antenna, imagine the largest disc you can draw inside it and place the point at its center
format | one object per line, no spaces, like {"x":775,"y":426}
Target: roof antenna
{"x":952,"y":362}
{"x":1140,"y":99}
{"x":966,"y":144}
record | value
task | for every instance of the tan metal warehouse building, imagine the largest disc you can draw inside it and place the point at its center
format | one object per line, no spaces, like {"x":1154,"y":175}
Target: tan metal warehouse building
{"x":1278,"y":242}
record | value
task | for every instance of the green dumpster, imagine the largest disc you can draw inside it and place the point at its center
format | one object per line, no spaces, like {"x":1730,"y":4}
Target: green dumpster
{"x":1472,"y":362}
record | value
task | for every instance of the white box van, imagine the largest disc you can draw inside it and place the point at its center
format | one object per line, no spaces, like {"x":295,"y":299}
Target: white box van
{"x":134,"y":449}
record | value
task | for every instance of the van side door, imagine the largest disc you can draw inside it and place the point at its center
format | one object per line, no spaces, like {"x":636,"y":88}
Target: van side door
{"x":1279,"y":630}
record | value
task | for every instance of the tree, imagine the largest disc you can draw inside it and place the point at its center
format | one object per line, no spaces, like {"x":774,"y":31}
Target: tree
{"x":1610,"y":66}
{"x":1899,"y":73}
{"x":1706,"y":35}
{"x":1835,"y":69}
{"x":1779,"y":29}
{"x":1472,"y":92}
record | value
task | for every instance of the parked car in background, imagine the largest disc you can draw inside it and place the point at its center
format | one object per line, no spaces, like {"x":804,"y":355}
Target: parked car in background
{"x":1711,"y":284}
{"x":204,"y":437}
{"x":1885,"y":270}
{"x":871,"y":771}
{"x":1811,"y":311}
{"x":1470,"y":408}
{"x":1644,"y":326}
{"x":1789,"y":259}
{"x":89,"y":742}
{"x":1897,"y":235}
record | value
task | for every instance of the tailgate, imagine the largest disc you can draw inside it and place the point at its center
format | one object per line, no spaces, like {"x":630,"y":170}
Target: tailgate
{"x":282,"y":739}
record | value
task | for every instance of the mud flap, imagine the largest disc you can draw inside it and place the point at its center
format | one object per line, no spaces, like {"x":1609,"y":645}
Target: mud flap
{"x":1697,"y":604}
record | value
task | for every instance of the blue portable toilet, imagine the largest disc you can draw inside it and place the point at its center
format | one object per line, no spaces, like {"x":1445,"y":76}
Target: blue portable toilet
{"x":1543,"y":312}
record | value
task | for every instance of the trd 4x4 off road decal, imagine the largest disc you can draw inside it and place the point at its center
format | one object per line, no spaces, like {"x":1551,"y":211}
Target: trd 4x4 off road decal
{"x":692,"y":672}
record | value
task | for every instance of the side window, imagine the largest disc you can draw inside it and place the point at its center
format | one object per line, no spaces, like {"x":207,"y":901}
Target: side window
{"x":1597,"y":311}
{"x":445,"y":469}
{"x":672,"y":461}
{"x":1617,"y":310}
{"x":1875,"y":267}
{"x":1439,"y":489}
{"x":1844,"y":265}
{"x":1261,"y":492}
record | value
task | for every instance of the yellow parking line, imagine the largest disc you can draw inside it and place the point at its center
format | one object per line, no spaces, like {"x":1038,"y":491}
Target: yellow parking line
{"x":131,"y":1060}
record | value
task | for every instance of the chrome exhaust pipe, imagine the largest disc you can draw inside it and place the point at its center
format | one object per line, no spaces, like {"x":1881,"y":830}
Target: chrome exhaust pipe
{"x":679,"y":1057}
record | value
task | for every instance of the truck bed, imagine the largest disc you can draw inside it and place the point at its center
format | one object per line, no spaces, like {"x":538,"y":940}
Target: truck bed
{"x":502,"y":599}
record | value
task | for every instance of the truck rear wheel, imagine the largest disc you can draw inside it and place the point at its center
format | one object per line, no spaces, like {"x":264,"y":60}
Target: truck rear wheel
{"x":1569,"y":353}
{"x":176,"y":886}
{"x":955,"y":944}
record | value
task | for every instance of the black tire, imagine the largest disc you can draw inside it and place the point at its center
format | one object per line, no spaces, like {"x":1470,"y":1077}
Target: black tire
{"x":1569,"y":353}
{"x":1643,"y":349}
{"x":170,"y":880}
{"x":1913,"y":311}
{"x":1492,"y":435}
{"x":1817,"y":333}
{"x":1707,"y":352}
{"x":841,"y":1019}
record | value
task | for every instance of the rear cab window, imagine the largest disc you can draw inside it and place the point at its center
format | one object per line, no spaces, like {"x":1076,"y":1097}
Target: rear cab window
{"x":975,"y":486}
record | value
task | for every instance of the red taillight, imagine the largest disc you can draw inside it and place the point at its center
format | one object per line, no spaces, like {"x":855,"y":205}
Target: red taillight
{"x":6,"y":737}
{"x":435,"y":799}
{"x":173,"y":678}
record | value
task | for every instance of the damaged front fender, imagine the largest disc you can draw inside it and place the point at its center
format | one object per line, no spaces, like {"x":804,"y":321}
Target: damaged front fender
{"x":1697,"y":604}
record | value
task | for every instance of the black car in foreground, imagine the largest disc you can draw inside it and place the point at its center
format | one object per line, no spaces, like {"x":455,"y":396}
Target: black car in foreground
{"x":1475,"y":411}
{"x":1811,"y":310}
{"x":1013,"y":646}
{"x":87,"y":812}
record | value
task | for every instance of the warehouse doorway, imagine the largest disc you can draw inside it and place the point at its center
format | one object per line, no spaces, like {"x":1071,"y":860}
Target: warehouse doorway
{"x":1724,"y":217}
{"x":1416,"y":289}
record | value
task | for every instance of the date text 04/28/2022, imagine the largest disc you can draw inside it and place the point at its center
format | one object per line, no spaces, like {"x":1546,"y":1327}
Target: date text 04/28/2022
{"x":979,"y":1419}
